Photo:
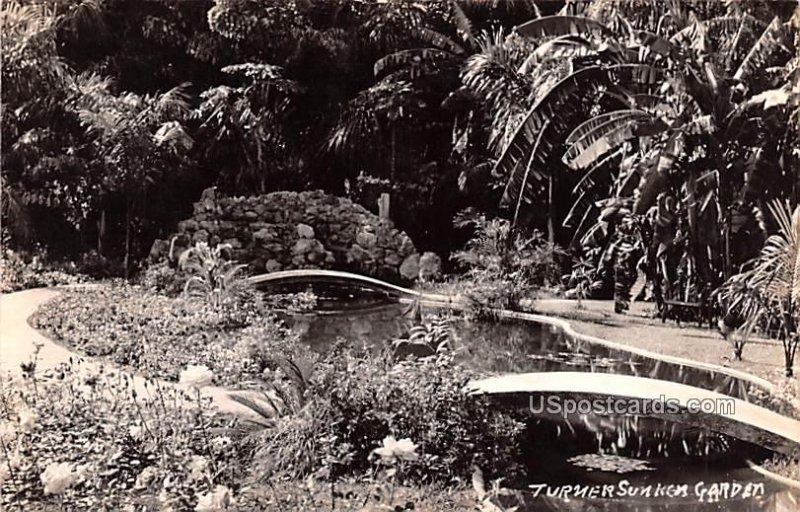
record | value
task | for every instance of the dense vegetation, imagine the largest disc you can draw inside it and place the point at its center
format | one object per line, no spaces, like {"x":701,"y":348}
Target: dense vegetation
{"x":614,"y":148}
{"x":669,"y":124}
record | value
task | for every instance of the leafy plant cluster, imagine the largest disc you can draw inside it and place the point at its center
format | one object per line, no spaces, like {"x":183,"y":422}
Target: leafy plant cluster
{"x":502,"y":264}
{"x":108,"y":447}
{"x":354,"y":399}
{"x":158,"y":335}
{"x":18,"y":274}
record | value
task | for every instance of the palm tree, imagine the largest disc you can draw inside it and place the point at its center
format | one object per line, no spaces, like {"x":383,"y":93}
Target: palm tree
{"x":768,"y":291}
{"x":244,"y":128}
{"x":135,"y":138}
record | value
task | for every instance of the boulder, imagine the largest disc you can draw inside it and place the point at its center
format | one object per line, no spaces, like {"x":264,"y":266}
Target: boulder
{"x":409,"y":269}
{"x":430,"y":266}
{"x":188,"y":225}
{"x":200,"y":236}
{"x":263,"y":234}
{"x":273,"y":265}
{"x":302,"y":246}
{"x":392,"y":259}
{"x":366,"y":238}
{"x":305,"y":231}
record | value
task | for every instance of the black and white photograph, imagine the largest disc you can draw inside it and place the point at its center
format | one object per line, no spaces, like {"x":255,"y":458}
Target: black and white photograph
{"x":399,"y":255}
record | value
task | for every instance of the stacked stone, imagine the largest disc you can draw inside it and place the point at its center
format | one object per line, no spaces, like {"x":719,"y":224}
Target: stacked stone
{"x":288,"y":230}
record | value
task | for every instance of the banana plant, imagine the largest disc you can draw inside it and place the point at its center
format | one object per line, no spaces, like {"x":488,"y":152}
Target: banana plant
{"x":678,"y":102}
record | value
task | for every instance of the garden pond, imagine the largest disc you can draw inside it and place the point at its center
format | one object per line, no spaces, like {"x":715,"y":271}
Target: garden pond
{"x":578,"y":462}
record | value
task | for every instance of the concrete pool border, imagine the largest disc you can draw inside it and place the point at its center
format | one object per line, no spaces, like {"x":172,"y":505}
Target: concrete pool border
{"x":407,"y":295}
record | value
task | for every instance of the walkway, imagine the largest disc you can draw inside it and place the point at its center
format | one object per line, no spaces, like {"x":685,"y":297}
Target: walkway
{"x":18,"y":341}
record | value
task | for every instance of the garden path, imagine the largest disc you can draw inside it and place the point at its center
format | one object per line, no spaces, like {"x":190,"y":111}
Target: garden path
{"x":18,"y":342}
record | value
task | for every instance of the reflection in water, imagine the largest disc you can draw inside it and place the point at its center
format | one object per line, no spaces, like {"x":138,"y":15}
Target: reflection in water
{"x":586,"y":450}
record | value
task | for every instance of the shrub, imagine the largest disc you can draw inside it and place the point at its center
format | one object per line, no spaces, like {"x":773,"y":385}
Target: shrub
{"x":502,"y":263}
{"x":18,"y":274}
{"x":163,"y":278}
{"x":360,"y":398}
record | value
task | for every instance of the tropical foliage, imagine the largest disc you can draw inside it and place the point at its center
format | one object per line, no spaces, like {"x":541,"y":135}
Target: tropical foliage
{"x":669,"y":125}
{"x":664,"y":116}
{"x":766,"y":294}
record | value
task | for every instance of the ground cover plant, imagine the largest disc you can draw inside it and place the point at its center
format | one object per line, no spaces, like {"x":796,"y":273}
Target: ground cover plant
{"x":158,"y":336}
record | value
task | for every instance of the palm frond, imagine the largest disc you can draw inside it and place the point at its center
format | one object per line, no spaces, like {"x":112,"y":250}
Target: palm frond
{"x":411,"y":59}
{"x":596,"y":137}
{"x":519,"y":188}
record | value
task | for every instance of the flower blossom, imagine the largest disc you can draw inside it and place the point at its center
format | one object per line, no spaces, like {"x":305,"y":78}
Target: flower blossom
{"x":144,"y":478}
{"x":392,"y":449}
{"x":58,"y":477}
{"x":135,"y":431}
{"x":27,"y":419}
{"x":8,"y":432}
{"x":221,"y":498}
{"x":196,"y":376}
{"x":198,"y":467}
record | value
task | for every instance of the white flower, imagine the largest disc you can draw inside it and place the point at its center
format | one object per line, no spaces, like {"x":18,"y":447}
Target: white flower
{"x":198,"y":467}
{"x":8,"y":432}
{"x":135,"y":431}
{"x":27,"y":419}
{"x":221,"y":442}
{"x":220,"y":499}
{"x":57,"y":477}
{"x":393,"y":449}
{"x":15,"y":459}
{"x":83,"y":471}
{"x":145,"y":477}
{"x":196,"y":376}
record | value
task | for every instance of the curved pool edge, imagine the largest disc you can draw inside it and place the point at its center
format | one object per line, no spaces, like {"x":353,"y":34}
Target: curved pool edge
{"x":457,"y":302}
{"x":566,"y":326}
{"x":783,"y":480}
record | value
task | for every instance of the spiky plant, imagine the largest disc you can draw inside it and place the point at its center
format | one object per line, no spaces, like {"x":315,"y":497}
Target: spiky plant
{"x":768,"y":291}
{"x":212,"y":275}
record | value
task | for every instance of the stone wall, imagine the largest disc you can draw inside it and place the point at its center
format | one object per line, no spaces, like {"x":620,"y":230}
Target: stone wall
{"x":289,"y":230}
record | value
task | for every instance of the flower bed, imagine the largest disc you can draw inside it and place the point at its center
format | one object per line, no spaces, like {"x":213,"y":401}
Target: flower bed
{"x":158,"y":336}
{"x":348,"y":426}
{"x":105,"y":448}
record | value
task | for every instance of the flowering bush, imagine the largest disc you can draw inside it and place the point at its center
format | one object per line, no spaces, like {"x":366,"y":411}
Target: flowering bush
{"x":17,"y":274}
{"x":359,"y":400}
{"x":159,"y":336}
{"x":110,"y":445}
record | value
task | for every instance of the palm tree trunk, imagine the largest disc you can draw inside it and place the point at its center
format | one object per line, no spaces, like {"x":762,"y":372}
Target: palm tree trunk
{"x":551,"y":231}
{"x":128,"y":215}
{"x":393,"y":158}
{"x":101,"y":231}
